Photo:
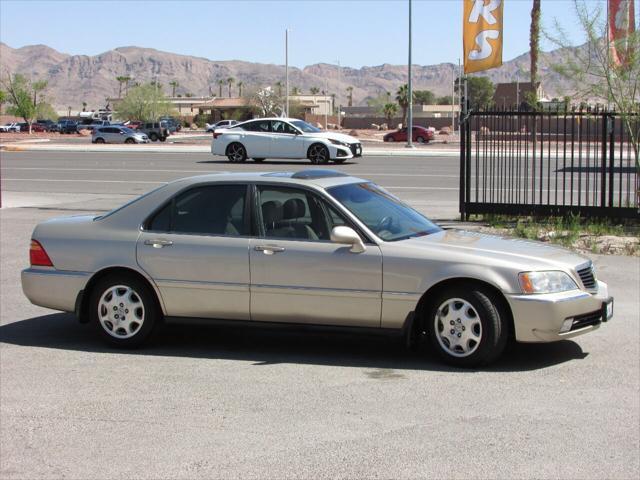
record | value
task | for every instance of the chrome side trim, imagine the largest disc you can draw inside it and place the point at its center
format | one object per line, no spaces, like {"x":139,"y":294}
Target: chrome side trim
{"x":201,"y":285}
{"x":297,"y":290}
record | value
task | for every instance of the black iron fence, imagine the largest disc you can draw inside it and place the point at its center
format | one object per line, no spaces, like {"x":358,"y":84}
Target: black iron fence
{"x":549,"y":163}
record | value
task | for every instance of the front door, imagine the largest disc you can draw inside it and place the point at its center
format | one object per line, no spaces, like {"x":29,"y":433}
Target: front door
{"x":298,"y":275}
{"x":286,"y":142}
{"x":196,"y":251}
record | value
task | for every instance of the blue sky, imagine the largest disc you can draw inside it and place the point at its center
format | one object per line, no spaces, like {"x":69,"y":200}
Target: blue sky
{"x":357,"y":33}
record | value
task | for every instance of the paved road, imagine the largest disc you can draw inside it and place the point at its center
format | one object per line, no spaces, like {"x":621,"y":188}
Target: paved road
{"x":227,"y":403}
{"x":430,"y":184}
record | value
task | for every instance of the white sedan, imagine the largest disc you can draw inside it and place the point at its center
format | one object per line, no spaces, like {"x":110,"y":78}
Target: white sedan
{"x":283,"y":138}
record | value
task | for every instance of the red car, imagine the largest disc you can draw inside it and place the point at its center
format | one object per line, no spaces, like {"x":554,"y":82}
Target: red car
{"x":420,"y":135}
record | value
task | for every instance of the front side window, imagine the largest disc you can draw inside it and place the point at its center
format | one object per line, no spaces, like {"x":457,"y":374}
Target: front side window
{"x":278,"y":126}
{"x":206,"y":210}
{"x":305,"y":127}
{"x":295,"y":214}
{"x":383,"y":213}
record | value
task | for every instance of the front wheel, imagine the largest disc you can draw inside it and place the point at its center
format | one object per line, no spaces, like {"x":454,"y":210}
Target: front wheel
{"x":124,"y":310}
{"x":421,"y":140}
{"x":467,"y":326}
{"x":318,"y":154}
{"x":153,"y":137}
{"x":129,"y":140}
{"x":99,"y":140}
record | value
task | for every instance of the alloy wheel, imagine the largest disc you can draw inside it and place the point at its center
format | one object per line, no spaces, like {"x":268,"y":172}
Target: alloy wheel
{"x":121,"y":311}
{"x":318,"y":154}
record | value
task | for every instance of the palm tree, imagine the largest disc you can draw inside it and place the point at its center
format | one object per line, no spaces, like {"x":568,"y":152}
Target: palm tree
{"x":314,"y":90}
{"x":126,"y":79}
{"x":240,"y":85}
{"x":220,"y":84}
{"x":174,"y":84}
{"x":38,"y":87}
{"x":350,"y":95}
{"x":534,"y":41}
{"x":84,"y":106}
{"x":121,"y":81}
{"x":279,"y":87}
{"x":389,"y":110}
{"x":295,"y":91}
{"x":230,"y":81}
{"x":402,"y":97}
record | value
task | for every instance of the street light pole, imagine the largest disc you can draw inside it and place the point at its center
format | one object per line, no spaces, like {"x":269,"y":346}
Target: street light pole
{"x":338,"y":97}
{"x":410,"y":92}
{"x":286,"y":68}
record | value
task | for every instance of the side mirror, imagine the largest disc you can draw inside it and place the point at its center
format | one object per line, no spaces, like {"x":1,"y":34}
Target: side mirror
{"x":348,"y":236}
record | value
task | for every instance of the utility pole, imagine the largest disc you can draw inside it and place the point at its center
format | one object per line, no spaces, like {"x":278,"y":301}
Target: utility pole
{"x":453,"y":99}
{"x":517,"y":92}
{"x":338,"y":98}
{"x":286,"y":69}
{"x":326,"y":101}
{"x":410,"y":92}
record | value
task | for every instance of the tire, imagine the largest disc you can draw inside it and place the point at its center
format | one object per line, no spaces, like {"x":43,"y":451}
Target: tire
{"x":99,"y":140}
{"x":153,"y":136}
{"x":142,"y":306}
{"x":163,"y":139}
{"x":236,"y":153}
{"x":390,"y":139}
{"x":258,"y":160}
{"x":467,"y":326}
{"x":421,"y":140}
{"x":318,"y":154}
{"x":129,"y":140}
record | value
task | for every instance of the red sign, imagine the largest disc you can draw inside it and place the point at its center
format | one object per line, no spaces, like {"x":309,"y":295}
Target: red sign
{"x":621,"y":25}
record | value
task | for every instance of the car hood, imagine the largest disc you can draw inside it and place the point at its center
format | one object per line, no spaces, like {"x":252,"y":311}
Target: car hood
{"x":341,"y":137}
{"x":492,"y":249}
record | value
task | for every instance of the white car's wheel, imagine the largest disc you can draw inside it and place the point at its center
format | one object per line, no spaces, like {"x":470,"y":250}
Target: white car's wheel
{"x":467,"y":326}
{"x":318,"y":154}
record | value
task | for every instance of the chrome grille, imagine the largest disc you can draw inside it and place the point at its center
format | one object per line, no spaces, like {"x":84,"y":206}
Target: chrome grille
{"x":588,"y":277}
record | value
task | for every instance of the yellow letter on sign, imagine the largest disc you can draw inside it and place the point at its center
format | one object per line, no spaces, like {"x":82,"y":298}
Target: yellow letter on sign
{"x":482,"y":25}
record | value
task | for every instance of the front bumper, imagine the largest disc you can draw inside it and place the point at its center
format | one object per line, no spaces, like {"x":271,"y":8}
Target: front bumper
{"x":558,"y":316}
{"x":51,"y":288}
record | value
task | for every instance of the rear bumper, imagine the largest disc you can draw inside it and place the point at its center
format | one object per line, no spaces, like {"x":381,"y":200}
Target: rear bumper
{"x":558,"y":316}
{"x":52,"y":288}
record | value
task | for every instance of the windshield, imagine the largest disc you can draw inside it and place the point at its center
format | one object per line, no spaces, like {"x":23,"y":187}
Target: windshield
{"x":305,"y":127}
{"x":383,"y":213}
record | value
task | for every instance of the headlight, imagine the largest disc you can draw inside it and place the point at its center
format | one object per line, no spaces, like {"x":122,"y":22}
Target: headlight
{"x":338,"y":142}
{"x":546,"y":282}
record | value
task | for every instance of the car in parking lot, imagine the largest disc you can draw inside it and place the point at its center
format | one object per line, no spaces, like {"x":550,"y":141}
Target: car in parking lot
{"x":316,"y":247}
{"x":68,"y":126}
{"x":49,"y":125}
{"x":35,"y":127}
{"x":221,"y":124}
{"x":283,"y":138}
{"x":10,"y":127}
{"x":116,"y":134}
{"x":420,"y":135}
{"x":154,"y":130}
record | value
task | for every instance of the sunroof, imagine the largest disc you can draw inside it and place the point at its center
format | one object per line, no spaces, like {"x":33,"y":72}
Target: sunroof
{"x":317,"y":173}
{"x":278,"y":174}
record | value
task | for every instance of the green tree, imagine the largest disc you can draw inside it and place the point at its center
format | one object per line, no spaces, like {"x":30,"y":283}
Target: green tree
{"x":389,"y":110}
{"x":122,"y":80}
{"x":479,"y":89}
{"x":3,"y":99}
{"x":240,"y":85}
{"x":314,"y":90}
{"x":402,"y":97}
{"x":221,"y":83}
{"x":174,"y":84}
{"x":144,"y":103}
{"x":424,"y":97}
{"x":279,"y":86}
{"x":230,"y":81}
{"x":20,"y":93}
{"x":46,"y":111}
{"x":295,"y":91}
{"x":446,"y":100}
{"x":595,"y":74}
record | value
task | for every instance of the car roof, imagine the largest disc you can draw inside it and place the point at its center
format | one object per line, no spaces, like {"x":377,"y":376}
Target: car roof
{"x":321,"y":178}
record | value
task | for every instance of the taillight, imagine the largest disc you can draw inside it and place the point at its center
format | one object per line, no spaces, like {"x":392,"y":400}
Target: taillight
{"x":38,"y":256}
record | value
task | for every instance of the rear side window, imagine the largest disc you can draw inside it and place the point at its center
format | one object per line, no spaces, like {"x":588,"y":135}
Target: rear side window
{"x":207,"y":210}
{"x":258,"y":126}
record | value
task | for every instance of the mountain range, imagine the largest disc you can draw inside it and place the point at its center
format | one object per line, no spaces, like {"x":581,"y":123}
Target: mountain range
{"x":73,"y":79}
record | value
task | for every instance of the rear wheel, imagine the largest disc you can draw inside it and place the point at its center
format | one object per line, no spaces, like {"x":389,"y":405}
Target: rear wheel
{"x":318,"y":154}
{"x":390,"y":139}
{"x":236,"y":153}
{"x":124,"y":310}
{"x":467,"y":326}
{"x":99,"y":140}
{"x":163,"y":139}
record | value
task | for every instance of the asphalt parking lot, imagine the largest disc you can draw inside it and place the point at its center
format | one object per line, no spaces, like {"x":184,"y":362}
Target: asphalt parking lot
{"x":230,"y":403}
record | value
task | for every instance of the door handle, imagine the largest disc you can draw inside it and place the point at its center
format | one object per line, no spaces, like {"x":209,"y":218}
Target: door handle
{"x":268,"y":249}
{"x":158,"y":243}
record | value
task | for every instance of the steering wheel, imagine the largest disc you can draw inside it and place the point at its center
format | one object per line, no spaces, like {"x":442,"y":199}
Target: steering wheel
{"x":384,"y":224}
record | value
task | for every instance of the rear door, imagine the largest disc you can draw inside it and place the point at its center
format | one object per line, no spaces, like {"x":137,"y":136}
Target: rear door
{"x":195,"y":248}
{"x":257,"y":138}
